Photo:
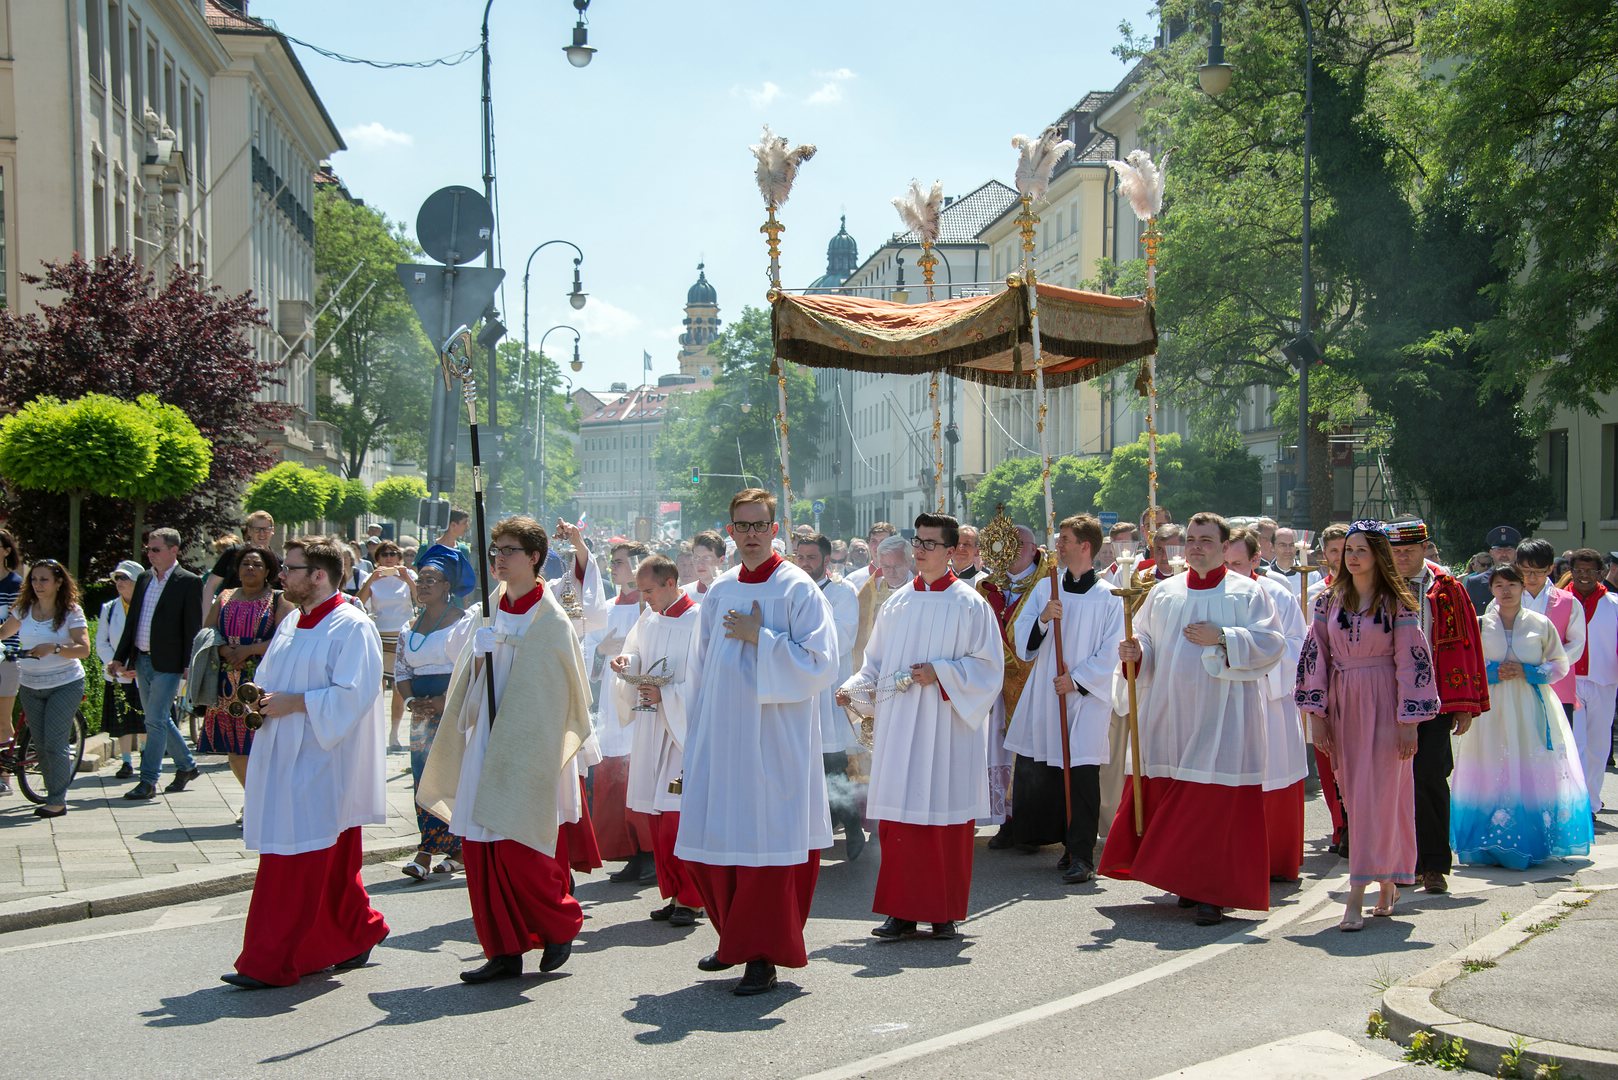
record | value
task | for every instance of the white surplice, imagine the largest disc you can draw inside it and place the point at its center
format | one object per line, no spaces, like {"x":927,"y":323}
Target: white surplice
{"x":856,"y":578}
{"x":316,"y":773}
{"x":1202,"y":708}
{"x":836,"y":732}
{"x":696,"y":590}
{"x":1285,"y":754}
{"x":508,"y":628}
{"x":659,"y":736}
{"x":929,"y":766}
{"x":755,"y":785}
{"x":1092,"y":626}
{"x":592,"y":596}
{"x":612,"y":731}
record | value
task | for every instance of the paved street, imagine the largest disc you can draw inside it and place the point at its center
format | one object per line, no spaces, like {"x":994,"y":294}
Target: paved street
{"x":1105,"y":981}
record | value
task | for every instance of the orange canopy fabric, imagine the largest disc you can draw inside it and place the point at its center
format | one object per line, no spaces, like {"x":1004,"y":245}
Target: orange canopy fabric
{"x":987,"y":339}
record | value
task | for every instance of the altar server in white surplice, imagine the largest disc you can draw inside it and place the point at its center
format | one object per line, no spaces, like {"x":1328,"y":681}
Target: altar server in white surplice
{"x":662,"y":642}
{"x":753,"y":814}
{"x":837,"y":736}
{"x":314,"y":778}
{"x":932,"y":671}
{"x":1285,"y":765}
{"x":620,"y":831}
{"x":1092,"y":626}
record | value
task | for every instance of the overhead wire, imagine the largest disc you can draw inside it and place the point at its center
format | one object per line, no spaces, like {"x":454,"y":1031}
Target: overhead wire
{"x":449,"y":60}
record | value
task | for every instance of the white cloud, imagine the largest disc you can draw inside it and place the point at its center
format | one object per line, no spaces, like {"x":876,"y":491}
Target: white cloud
{"x":601,"y":319}
{"x":759,"y":96}
{"x":376,"y":136}
{"x":831,"y":88}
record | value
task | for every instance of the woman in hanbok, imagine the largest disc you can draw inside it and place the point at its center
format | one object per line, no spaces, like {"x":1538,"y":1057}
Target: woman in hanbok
{"x":1517,"y":796}
{"x":425,"y":657}
{"x":1366,"y":676}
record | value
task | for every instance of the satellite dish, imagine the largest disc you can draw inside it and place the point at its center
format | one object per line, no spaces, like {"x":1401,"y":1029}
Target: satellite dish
{"x":455,"y":225}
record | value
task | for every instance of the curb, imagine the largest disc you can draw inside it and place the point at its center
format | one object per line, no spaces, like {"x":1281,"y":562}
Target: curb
{"x":161,"y":890}
{"x":1409,"y":1007}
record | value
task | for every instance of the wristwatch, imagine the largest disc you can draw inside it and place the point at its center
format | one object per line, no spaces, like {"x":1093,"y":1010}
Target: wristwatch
{"x":410,"y":702}
{"x":56,"y":649}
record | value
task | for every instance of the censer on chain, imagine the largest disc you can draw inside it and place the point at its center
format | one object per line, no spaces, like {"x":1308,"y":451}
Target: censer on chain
{"x":243,"y":705}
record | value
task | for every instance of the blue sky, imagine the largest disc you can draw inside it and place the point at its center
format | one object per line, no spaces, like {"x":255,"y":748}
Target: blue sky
{"x":642,"y":158}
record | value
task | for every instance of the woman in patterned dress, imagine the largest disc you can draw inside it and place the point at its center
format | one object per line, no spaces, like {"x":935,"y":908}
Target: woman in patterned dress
{"x":247,"y":618}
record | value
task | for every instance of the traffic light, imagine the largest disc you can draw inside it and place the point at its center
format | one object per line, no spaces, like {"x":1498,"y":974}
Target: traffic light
{"x":696,"y":476}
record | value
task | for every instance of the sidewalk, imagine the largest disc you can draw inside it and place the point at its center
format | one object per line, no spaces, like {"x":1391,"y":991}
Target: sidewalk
{"x":130,"y":854}
{"x":1537,"y":987}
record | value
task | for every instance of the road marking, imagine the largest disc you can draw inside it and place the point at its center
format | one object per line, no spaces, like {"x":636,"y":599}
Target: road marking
{"x":1277,"y":920}
{"x":167,"y":922}
{"x":1316,"y":1055}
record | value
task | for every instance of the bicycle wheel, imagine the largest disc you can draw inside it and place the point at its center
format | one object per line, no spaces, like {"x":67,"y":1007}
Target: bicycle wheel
{"x":30,"y":780}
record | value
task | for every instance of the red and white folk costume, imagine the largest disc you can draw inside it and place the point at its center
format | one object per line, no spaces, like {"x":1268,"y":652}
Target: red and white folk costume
{"x":659,"y":737}
{"x":753,"y":815}
{"x":929,"y":774}
{"x":315,"y":777}
{"x":506,"y":786}
{"x":1202,"y":732}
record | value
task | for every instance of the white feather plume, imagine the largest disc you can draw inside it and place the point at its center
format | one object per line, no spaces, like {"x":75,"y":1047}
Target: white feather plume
{"x":778,"y":166}
{"x":1036,"y":160}
{"x":1141,"y":181}
{"x":920,"y":210}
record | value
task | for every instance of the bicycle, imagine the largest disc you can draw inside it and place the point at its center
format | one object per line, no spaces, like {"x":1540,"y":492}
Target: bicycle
{"x":21,"y":757}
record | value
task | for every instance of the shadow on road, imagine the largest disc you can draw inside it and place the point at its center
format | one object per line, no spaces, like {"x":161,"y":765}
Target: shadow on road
{"x":877,"y":959}
{"x":708,"y":1006}
{"x":191,"y":834}
{"x":223,"y":1002}
{"x":641,"y":934}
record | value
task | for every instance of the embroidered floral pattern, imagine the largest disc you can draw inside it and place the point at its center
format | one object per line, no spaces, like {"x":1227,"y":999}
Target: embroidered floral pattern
{"x":1422,"y":707}
{"x":1423,"y":664}
{"x":1309,"y":659}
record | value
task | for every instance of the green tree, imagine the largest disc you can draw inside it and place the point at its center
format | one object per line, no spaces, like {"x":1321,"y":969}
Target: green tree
{"x":184,"y":458}
{"x":397,"y":497}
{"x":525,"y":462}
{"x":1529,"y":125}
{"x":93,"y":445}
{"x":1000,"y":485}
{"x":352,"y":500}
{"x":711,"y":432}
{"x":379,"y":362}
{"x":295,"y":494}
{"x":1075,"y":483}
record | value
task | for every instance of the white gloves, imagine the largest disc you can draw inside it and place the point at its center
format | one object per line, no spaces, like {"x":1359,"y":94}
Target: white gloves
{"x":483,"y":640}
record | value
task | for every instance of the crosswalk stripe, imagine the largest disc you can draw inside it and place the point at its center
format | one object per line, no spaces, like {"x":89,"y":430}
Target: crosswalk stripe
{"x":1314,"y":1055}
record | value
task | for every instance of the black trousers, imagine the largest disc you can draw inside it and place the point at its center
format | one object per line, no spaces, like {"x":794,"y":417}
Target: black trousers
{"x":1039,"y":813}
{"x":1433,"y":764}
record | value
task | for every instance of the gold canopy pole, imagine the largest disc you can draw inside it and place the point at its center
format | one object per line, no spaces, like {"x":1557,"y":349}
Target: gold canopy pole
{"x":772,"y":230}
{"x":929,"y":263}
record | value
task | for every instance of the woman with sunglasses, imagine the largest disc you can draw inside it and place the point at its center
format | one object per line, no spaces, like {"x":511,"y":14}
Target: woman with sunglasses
{"x":246,"y":617}
{"x":10,"y":585}
{"x":425,"y":657}
{"x":54,"y":638}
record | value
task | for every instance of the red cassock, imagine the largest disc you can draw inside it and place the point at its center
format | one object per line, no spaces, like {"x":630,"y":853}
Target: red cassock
{"x":926,"y":871}
{"x":620,"y":831}
{"x":1283,"y":826}
{"x":675,"y":879}
{"x":519,"y":898}
{"x":576,"y":840}
{"x":771,"y":905}
{"x":1204,"y":842}
{"x":308,"y":912}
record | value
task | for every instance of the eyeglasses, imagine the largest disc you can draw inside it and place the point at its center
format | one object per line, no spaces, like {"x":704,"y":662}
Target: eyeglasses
{"x":289,"y":568}
{"x":751,"y":526}
{"x":497,"y":550}
{"x":430,"y":580}
{"x":157,"y":549}
{"x":927,"y":545}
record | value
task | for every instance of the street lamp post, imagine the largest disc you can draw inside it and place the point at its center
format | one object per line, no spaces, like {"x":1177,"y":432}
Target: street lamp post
{"x":1214,"y":78}
{"x":541,"y":447}
{"x":576,"y":299}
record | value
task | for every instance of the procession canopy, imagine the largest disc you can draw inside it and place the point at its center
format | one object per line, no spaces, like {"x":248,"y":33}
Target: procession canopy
{"x":986,"y":339}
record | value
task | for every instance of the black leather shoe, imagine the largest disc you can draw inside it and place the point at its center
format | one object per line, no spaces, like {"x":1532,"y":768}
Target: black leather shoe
{"x":894,"y":929}
{"x":630,"y":874}
{"x":665,"y":913}
{"x":555,"y":955}
{"x":853,"y":842}
{"x":125,"y":771}
{"x":1064,"y":862}
{"x":711,"y":962}
{"x":944,"y":931}
{"x":359,"y":960}
{"x":244,"y":982}
{"x":1209,"y":915}
{"x":499,"y":967}
{"x":40,"y":811}
{"x":1002,"y":839}
{"x":141,"y":792}
{"x":683,"y":916}
{"x":648,"y":871}
{"x":758,"y":979}
{"x":1186,"y":902}
{"x":1078,"y":872}
{"x":181,"y":779}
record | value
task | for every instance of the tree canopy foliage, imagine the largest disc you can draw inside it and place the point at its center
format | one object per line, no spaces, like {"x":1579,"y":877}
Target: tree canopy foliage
{"x":294,"y":494}
{"x":397,"y":497}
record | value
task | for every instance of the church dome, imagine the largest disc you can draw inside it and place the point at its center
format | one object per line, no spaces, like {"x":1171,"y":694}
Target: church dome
{"x":842,"y":253}
{"x":702,"y":293}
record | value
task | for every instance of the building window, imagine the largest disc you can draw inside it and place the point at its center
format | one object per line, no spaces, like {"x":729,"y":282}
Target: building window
{"x":92,"y":33}
{"x":115,"y":50}
{"x":4,"y":299}
{"x":154,"y":98}
{"x":135,"y":85}
{"x":1609,"y":472}
{"x":1554,"y":464}
{"x":98,"y":212}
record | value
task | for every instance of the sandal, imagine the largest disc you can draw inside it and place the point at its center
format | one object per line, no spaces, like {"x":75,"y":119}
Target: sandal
{"x":1383,"y":910}
{"x":1352,"y":925}
{"x":447,"y":865}
{"x":414,"y":869}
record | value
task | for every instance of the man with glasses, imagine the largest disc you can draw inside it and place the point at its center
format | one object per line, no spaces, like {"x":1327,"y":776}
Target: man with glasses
{"x":1092,"y":625}
{"x":512,"y":780}
{"x":967,"y":563}
{"x":1204,"y":641}
{"x":879,"y":532}
{"x":314,"y":779}
{"x":836,"y":733}
{"x":1596,"y":671}
{"x":165,"y":614}
{"x":753,"y":812}
{"x":259,"y":532}
{"x":931,"y":673}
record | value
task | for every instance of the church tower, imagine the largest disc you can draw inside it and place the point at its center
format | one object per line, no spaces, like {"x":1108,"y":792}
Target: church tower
{"x":842,"y":259}
{"x":701,"y":328}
